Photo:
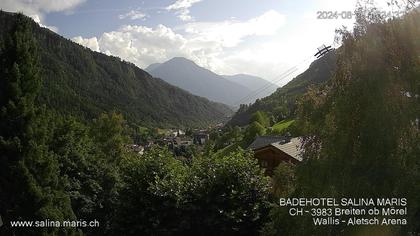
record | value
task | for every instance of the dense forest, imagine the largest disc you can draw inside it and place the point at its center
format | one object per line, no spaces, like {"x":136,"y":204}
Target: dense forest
{"x":63,"y":168}
{"x":83,"y":83}
{"x":362,"y":133}
{"x":360,"y":129}
{"x":359,"y":126}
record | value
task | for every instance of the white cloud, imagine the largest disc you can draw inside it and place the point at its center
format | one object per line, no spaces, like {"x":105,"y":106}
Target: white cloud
{"x":143,"y":45}
{"x":206,"y":43}
{"x":182,"y":4}
{"x":37,"y":8}
{"x":91,"y":43}
{"x":182,"y":8}
{"x":231,"y":33}
{"x":133,"y":15}
{"x":37,"y":19}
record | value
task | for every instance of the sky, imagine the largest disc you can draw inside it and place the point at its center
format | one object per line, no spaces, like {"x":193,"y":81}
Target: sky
{"x":259,"y":37}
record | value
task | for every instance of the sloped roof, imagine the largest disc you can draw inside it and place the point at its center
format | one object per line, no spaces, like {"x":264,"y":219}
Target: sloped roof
{"x":262,"y":141}
{"x":292,"y":148}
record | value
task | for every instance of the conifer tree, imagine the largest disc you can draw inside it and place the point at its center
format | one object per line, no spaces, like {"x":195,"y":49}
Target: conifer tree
{"x":29,"y":174}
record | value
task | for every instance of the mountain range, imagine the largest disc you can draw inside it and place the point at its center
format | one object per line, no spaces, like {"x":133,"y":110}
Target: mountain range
{"x":260,"y":87}
{"x":283,"y":101}
{"x":84,"y":83}
{"x":229,"y":90}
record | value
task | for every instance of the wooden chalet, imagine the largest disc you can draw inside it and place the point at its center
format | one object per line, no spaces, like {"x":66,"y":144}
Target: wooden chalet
{"x":272,"y":150}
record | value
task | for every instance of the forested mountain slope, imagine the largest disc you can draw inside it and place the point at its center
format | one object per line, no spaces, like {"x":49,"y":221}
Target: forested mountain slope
{"x":84,"y":83}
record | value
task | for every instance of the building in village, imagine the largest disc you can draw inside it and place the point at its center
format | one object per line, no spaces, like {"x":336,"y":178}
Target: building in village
{"x":177,"y":133}
{"x":136,"y":148}
{"x":201,"y":137}
{"x":176,"y":141}
{"x":272,"y":150}
{"x":184,"y":141}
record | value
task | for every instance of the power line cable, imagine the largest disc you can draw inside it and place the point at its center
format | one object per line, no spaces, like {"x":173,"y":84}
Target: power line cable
{"x":279,"y":78}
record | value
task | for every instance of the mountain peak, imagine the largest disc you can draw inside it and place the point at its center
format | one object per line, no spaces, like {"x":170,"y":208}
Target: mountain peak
{"x":182,"y":61}
{"x":175,"y":61}
{"x":200,"y":81}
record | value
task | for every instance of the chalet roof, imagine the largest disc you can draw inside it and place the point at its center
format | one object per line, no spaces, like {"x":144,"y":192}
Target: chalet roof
{"x":292,"y":148}
{"x":289,"y":146}
{"x":262,"y":141}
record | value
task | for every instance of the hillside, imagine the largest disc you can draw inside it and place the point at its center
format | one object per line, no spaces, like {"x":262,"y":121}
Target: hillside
{"x":84,"y":83}
{"x":282,"y":103}
{"x":253,"y":83}
{"x":187,"y":75}
{"x":152,"y":67}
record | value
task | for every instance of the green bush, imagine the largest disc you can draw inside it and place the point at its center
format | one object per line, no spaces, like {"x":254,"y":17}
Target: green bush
{"x":214,"y":195}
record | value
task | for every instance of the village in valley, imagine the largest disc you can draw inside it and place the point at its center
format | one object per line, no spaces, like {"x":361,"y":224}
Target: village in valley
{"x":156,"y":118}
{"x":175,"y":140}
{"x":269,"y":150}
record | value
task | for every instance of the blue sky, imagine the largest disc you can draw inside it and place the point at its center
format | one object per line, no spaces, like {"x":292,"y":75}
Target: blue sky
{"x":259,"y":37}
